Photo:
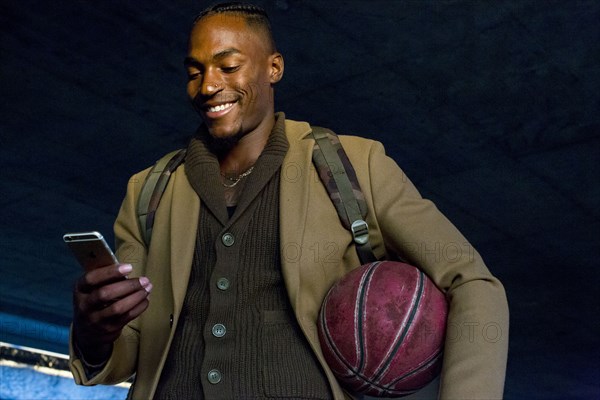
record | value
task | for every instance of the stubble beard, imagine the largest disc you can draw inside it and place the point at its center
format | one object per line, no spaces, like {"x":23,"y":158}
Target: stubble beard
{"x":220,"y":146}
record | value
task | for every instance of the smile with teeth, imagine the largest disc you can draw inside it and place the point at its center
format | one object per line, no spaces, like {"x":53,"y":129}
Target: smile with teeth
{"x":220,"y":107}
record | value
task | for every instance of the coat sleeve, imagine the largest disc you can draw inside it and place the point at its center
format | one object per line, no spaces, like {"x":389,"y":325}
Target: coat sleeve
{"x":476,"y":346}
{"x":131,"y":250}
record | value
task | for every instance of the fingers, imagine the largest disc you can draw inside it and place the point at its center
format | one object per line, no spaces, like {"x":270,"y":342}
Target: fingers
{"x":127,"y":308}
{"x":99,"y":298}
{"x":102,"y":276}
{"x":101,"y":315}
{"x":108,"y":322}
{"x":104,"y":301}
{"x":110,"y":293}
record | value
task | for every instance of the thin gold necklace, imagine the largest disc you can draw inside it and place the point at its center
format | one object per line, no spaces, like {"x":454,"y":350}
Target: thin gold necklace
{"x":237,"y":179}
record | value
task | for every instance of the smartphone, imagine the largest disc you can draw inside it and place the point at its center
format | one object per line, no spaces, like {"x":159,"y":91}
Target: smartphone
{"x":90,"y":249}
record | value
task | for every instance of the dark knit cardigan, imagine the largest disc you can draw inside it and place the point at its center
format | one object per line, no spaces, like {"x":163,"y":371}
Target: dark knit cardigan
{"x":237,"y":337}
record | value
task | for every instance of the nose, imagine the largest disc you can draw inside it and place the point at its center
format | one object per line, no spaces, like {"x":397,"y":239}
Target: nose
{"x":210,"y":88}
{"x":210,"y":83}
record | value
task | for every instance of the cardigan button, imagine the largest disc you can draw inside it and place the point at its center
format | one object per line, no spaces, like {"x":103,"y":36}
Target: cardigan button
{"x":214,"y":376}
{"x":219,"y":330}
{"x":228,"y":239}
{"x":223,"y":283}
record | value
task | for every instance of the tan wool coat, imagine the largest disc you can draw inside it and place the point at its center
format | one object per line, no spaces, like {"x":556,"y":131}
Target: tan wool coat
{"x":316,"y":251}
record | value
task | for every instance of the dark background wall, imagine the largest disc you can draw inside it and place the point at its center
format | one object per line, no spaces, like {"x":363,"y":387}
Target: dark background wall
{"x":491,"y":108}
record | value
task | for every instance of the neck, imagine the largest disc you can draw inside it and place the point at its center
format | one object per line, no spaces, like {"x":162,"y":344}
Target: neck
{"x":244,"y":153}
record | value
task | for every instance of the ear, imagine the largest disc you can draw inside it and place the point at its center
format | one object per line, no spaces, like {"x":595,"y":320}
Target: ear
{"x":276,"y":62}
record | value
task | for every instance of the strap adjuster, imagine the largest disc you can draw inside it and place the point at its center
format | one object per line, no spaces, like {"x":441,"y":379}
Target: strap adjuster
{"x":360,"y":231}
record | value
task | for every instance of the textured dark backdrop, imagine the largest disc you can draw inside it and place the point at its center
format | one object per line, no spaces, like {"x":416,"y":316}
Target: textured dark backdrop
{"x":491,"y":107}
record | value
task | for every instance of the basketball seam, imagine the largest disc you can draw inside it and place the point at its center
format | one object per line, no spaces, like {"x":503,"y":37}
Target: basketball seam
{"x":362,"y":294}
{"x":429,"y":363}
{"x":374,"y":382}
{"x":330,"y":342}
{"x":406,"y":329}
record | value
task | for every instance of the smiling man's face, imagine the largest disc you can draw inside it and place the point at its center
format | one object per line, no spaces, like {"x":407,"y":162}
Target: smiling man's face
{"x":231,"y":69}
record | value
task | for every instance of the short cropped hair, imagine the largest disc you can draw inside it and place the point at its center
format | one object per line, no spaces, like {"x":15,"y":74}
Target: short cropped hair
{"x":255,"y":16}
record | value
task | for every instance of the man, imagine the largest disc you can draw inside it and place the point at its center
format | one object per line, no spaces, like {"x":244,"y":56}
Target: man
{"x":235,"y":290}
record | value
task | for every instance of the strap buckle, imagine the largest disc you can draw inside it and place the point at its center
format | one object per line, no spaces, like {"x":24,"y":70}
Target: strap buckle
{"x":360,"y":231}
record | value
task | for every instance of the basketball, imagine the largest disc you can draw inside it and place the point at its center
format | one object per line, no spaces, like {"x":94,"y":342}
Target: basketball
{"x":382,"y":329}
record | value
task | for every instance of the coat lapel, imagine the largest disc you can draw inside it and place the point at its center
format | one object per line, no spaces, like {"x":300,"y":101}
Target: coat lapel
{"x":185,"y":209}
{"x":293,"y":200}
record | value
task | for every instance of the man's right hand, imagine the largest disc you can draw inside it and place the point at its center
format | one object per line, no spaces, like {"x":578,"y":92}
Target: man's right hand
{"x":104,"y":301}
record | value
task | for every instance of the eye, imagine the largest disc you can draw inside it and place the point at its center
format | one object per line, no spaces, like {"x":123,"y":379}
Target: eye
{"x":194,"y":75}
{"x":229,"y":70}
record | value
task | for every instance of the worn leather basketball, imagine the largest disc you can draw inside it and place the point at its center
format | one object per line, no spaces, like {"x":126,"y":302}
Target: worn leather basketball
{"x":382,"y":329}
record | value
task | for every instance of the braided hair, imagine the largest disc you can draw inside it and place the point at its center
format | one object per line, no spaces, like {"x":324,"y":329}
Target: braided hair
{"x":255,"y":16}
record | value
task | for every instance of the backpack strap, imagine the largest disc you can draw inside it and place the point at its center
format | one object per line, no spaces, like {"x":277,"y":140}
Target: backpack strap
{"x":338,"y":176}
{"x":153,"y":189}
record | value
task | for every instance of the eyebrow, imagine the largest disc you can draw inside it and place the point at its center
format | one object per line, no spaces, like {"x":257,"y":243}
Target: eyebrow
{"x":217,"y":56}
